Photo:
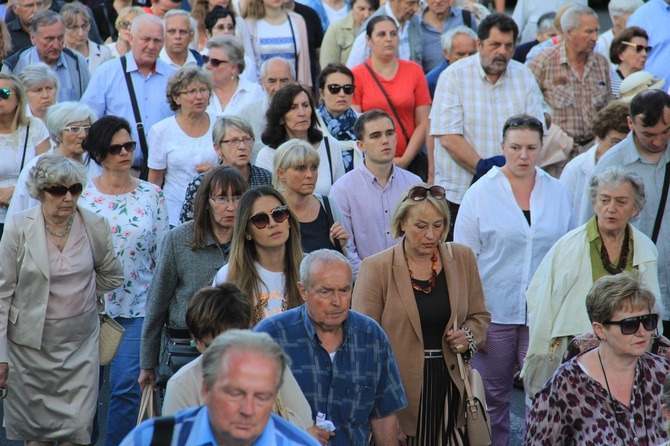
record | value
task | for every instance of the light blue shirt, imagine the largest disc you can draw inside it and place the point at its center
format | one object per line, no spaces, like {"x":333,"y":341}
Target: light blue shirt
{"x":654,"y":18}
{"x":317,"y":6}
{"x":108,"y":95}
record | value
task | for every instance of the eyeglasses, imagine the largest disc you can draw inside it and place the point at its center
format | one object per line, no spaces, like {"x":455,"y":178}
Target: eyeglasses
{"x":60,"y":191}
{"x":215,"y":62}
{"x":613,"y":141}
{"x":125,"y":24}
{"x":236,"y":142}
{"x":522,"y":122}
{"x":335,"y":88}
{"x":5,"y":93}
{"x":181,"y":32}
{"x":77,"y":129}
{"x":84,"y":28}
{"x":221,"y":199}
{"x":225,"y":27}
{"x":279,"y":214}
{"x":193,"y":93}
{"x":116,"y":148}
{"x":630,"y":325}
{"x":639,"y":48}
{"x":418,"y":193}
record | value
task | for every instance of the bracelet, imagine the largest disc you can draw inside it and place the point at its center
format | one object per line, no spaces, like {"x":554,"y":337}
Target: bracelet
{"x":472,"y":344}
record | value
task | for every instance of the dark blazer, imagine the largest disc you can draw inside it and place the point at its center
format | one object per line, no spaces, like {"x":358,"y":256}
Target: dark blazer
{"x":384,"y":292}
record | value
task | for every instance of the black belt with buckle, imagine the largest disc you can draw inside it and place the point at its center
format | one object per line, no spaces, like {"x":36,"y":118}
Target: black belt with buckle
{"x":432,"y":353}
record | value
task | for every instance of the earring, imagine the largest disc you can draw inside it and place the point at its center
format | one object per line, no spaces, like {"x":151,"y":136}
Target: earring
{"x":248,"y":237}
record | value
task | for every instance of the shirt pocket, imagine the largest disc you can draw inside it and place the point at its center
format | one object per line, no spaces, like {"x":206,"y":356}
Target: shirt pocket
{"x":561,"y":97}
{"x":361,"y":398}
{"x":599,"y":95}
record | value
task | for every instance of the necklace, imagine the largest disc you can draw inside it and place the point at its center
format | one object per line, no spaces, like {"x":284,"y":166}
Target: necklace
{"x":433,"y":278}
{"x":623,"y":258}
{"x":60,"y":234}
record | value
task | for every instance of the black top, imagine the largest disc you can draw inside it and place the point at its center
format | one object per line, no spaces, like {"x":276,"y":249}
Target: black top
{"x":314,"y":38}
{"x":527,"y":215}
{"x":434,"y":311}
{"x":316,"y":235}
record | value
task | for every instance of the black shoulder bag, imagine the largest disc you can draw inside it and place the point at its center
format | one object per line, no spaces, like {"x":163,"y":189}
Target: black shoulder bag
{"x":144,"y":170}
{"x":331,"y":222}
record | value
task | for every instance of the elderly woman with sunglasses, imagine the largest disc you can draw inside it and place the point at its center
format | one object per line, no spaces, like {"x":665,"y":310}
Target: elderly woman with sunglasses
{"x":612,"y":393}
{"x":137,"y":214}
{"x":629,"y":51}
{"x":54,"y":260}
{"x":428,"y":297}
{"x":265,"y":253}
{"x":510,"y":218}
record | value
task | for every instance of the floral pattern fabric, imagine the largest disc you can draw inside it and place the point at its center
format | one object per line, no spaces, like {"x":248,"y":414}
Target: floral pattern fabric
{"x":138,"y":221}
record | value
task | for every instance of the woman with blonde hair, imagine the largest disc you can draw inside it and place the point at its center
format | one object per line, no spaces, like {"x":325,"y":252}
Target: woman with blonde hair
{"x":5,"y":41}
{"x":122,"y":25}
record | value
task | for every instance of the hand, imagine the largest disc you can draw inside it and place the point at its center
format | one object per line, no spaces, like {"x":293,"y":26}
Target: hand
{"x":203,"y":167}
{"x":321,"y":435}
{"x":4,"y":374}
{"x":339,"y":232}
{"x":147,"y":377}
{"x":458,"y":341}
{"x":6,"y":195}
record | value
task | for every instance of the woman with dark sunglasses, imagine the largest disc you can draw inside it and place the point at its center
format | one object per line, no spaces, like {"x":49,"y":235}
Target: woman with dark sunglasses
{"x":510,"y":218}
{"x":138,"y":217}
{"x":428,"y":297}
{"x":54,"y":260}
{"x":612,"y":393}
{"x":265,"y":253}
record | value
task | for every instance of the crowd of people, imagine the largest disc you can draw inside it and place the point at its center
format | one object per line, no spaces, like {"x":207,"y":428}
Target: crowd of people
{"x":312,"y":219}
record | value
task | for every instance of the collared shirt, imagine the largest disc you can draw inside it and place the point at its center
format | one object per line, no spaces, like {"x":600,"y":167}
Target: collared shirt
{"x":192,"y":428}
{"x":574,"y":100}
{"x":654,"y":17}
{"x":432,"y":47}
{"x":245,"y":93}
{"x":507,"y":248}
{"x":359,"y":383}
{"x":575,"y":177}
{"x":165,"y":57}
{"x":468,"y":104}
{"x":367,"y":209}
{"x":595,"y":245}
{"x":626,"y":155}
{"x":108,"y":95}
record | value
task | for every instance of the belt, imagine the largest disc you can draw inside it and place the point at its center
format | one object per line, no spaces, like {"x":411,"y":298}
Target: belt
{"x":584,"y":140}
{"x":432,"y":353}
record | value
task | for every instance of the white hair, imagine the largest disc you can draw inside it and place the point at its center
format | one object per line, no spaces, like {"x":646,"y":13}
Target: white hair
{"x":193,"y":25}
{"x":571,"y":17}
{"x":137,"y":21}
{"x":620,"y":8}
{"x":272,"y":59}
{"x":448,"y":37}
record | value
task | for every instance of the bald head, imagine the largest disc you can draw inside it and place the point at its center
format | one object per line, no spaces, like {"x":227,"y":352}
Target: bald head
{"x":276,"y":73}
{"x":147,"y":38}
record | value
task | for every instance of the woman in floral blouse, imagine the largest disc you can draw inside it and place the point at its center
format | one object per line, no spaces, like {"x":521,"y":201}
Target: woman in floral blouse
{"x":137,"y":215}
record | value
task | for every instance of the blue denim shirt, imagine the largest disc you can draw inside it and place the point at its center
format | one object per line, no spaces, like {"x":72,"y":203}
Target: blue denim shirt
{"x":361,"y":382}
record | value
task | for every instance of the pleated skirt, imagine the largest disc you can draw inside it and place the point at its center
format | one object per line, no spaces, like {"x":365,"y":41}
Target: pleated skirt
{"x":53,"y":391}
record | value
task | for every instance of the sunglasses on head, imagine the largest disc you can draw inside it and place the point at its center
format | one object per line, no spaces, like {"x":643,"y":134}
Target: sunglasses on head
{"x":418,"y":193}
{"x":639,"y":48}
{"x":522,"y":122}
{"x":335,"y":88}
{"x":60,"y":191}
{"x":630,"y":325}
{"x":279,"y":214}
{"x":5,"y":93}
{"x":215,"y":62}
{"x":116,"y":148}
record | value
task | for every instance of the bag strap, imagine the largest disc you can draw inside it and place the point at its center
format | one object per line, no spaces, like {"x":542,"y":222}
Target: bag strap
{"x":395,"y":112}
{"x":25,"y":146}
{"x":661,"y":205}
{"x":138,"y":119}
{"x":467,"y":18}
{"x":163,"y":430}
{"x":295,"y":45}
{"x":330,"y":161}
{"x":331,"y":220}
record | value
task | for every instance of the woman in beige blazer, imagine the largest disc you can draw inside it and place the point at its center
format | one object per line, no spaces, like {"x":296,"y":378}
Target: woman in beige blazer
{"x":54,"y":260}
{"x":416,"y":290}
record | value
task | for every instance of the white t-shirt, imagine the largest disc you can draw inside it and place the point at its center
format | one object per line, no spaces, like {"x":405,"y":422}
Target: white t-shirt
{"x":272,"y":288}
{"x":245,"y":93}
{"x":277,"y":41}
{"x":177,"y":153}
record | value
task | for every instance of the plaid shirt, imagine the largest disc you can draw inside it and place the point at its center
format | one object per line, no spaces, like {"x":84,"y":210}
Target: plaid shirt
{"x":574,"y":101}
{"x":361,"y":382}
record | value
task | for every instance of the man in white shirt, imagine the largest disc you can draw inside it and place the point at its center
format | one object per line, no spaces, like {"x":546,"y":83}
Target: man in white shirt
{"x":179,"y":32}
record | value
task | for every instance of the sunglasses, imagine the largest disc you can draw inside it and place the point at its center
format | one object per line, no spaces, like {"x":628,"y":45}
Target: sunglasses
{"x":77,"y":129}
{"x":116,"y":148}
{"x":335,"y":88}
{"x":215,"y":62}
{"x":60,"y":191}
{"x":125,"y":24}
{"x":639,"y":48}
{"x":531,"y":122}
{"x":418,"y":193}
{"x":630,"y":325}
{"x":279,"y":214}
{"x":5,"y":93}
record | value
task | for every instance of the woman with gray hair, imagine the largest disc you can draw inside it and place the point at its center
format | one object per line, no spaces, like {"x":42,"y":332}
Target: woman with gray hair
{"x":181,"y":145}
{"x":54,"y":259}
{"x":41,"y":84}
{"x":606,"y":245}
{"x":68,"y":124}
{"x":233,"y":142}
{"x":610,"y":394}
{"x":225,"y":60}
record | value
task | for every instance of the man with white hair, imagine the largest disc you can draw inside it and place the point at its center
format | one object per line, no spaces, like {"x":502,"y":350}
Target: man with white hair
{"x":527,"y":14}
{"x":619,"y":11}
{"x":180,"y":30}
{"x":574,"y":79}
{"x":457,"y":43}
{"x":108,"y":92}
{"x":654,"y":17}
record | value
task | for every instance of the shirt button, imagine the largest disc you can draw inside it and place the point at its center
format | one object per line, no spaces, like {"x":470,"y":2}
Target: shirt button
{"x":635,"y":438}
{"x":632,"y":421}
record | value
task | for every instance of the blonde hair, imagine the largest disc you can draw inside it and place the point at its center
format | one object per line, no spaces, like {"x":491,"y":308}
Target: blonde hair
{"x":405,"y":205}
{"x":293,"y":153}
{"x":128,"y":13}
{"x":20,"y":117}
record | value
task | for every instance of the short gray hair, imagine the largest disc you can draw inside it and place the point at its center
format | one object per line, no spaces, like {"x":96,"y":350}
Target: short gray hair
{"x":447,"y":38}
{"x":45,"y":17}
{"x":619,"y":8}
{"x":137,"y":21}
{"x":183,"y":77}
{"x":571,"y":17}
{"x":52,"y":169}
{"x":233,"y":48}
{"x":320,"y":256}
{"x":293,"y":153}
{"x":546,"y":22}
{"x":193,"y":25}
{"x":613,"y":177}
{"x":242,"y":341}
{"x":223,"y":123}
{"x":61,"y":114}
{"x":37,"y":74}
{"x":264,"y":66}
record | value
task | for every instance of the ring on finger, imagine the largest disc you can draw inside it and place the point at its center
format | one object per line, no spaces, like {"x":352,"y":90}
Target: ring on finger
{"x":459,"y":346}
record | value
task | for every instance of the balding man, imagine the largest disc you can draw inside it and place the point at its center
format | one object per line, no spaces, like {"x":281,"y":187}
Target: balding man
{"x":108,"y":93}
